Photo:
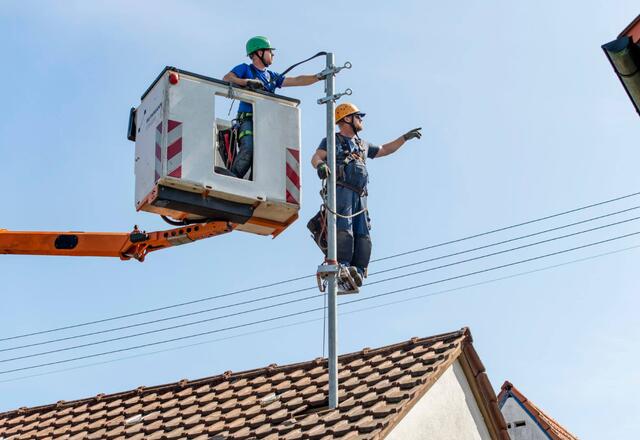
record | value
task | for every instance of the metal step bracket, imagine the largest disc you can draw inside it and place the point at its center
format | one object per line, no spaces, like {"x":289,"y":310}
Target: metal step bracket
{"x":324,"y":270}
{"x":346,"y":283}
{"x":335,"y":97}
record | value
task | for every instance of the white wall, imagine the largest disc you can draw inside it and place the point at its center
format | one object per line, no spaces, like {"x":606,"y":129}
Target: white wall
{"x":513,"y":412}
{"x":448,"y":411}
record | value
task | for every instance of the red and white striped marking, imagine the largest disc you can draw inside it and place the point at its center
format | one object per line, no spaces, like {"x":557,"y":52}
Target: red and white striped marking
{"x":158,"y":168}
{"x":293,"y":176}
{"x":174,"y":149}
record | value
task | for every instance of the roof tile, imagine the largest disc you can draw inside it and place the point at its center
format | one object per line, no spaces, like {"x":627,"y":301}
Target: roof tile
{"x":242,"y":434}
{"x":193,"y":409}
{"x":331,"y":417}
{"x":366,"y":424}
{"x":153,"y":426}
{"x":263,"y":429}
{"x":272,"y":403}
{"x":132,"y":410}
{"x":172,"y":423}
{"x":248,"y":402}
{"x":293,"y":435}
{"x":193,"y":420}
{"x":176,"y":433}
{"x":359,"y":391}
{"x":171,"y":413}
{"x":283,"y":386}
{"x":252,"y":411}
{"x":152,"y":397}
{"x":96,"y":435}
{"x":79,"y":436}
{"x":234,"y":413}
{"x":185,"y":392}
{"x":340,"y":428}
{"x":278,"y":416}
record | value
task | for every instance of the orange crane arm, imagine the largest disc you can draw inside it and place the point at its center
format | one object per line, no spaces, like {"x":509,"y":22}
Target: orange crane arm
{"x":135,"y":244}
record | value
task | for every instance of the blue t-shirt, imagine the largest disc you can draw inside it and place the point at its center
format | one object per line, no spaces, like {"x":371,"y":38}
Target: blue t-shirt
{"x":271,"y":80}
{"x":371,"y":151}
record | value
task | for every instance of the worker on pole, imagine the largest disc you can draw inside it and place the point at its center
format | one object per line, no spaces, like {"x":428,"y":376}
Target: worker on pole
{"x":256,"y":76}
{"x":353,"y":239}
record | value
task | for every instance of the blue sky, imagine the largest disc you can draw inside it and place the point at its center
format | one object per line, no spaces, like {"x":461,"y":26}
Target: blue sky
{"x":522,"y":117}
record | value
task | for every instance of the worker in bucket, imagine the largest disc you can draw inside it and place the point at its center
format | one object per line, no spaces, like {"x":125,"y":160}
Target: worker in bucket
{"x":256,"y":76}
{"x":353,"y":239}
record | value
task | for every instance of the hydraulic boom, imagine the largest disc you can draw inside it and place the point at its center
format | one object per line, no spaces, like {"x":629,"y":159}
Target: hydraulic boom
{"x":135,"y":244}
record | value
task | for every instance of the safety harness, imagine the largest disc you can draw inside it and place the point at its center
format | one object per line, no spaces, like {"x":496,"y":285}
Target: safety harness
{"x":351,"y":166}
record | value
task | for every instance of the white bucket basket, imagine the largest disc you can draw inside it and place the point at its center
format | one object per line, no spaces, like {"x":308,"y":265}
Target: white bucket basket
{"x":177,"y":164}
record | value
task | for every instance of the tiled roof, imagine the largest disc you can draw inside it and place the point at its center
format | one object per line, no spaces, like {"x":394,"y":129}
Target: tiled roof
{"x":550,"y":426}
{"x":377,"y":388}
{"x":632,"y":30}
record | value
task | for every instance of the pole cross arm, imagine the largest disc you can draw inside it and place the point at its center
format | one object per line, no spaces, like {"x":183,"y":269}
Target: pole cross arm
{"x":334,"y":97}
{"x":333,"y":70}
{"x":135,"y":244}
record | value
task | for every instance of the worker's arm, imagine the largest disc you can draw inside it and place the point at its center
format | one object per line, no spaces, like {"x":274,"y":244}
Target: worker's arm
{"x":233,"y":78}
{"x":318,"y":161}
{"x":319,"y":157}
{"x":393,"y":146}
{"x":301,"y":80}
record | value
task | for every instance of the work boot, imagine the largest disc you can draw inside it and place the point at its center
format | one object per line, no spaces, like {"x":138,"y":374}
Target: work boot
{"x":355,"y":274}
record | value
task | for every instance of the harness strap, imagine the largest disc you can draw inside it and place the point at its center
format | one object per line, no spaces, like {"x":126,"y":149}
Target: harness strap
{"x":360,"y":191}
{"x":245,"y":133}
{"x":347,"y":150}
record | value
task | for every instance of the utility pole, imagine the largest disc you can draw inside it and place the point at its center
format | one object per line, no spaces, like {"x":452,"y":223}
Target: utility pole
{"x":331,"y":266}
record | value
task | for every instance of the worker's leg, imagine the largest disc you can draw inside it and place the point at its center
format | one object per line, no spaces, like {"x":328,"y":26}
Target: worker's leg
{"x":362,"y":239}
{"x":244,"y":159}
{"x":344,"y":236}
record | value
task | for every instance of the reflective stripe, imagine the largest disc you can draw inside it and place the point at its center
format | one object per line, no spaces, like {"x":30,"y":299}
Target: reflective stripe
{"x":245,"y":133}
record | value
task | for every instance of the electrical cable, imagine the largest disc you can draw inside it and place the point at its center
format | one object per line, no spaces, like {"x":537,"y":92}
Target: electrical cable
{"x":298,"y":323}
{"x":277,"y":283}
{"x":493,"y":231}
{"x":320,"y":308}
{"x":300,"y":290}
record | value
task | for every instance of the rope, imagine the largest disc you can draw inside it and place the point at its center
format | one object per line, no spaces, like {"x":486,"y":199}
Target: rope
{"x":345,"y":216}
{"x":323,"y":194}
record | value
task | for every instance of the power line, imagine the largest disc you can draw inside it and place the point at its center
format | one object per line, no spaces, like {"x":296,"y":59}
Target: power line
{"x":493,"y":254}
{"x":516,"y":239}
{"x":298,"y":323}
{"x":155,"y":321}
{"x":277,"y":283}
{"x":295,"y":300}
{"x":482,"y":234}
{"x":289,"y":315}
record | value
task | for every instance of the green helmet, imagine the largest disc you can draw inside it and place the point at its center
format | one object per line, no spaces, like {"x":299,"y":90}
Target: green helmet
{"x":258,"y":43}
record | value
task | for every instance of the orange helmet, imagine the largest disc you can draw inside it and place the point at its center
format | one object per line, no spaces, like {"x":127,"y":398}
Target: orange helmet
{"x":346,"y":109}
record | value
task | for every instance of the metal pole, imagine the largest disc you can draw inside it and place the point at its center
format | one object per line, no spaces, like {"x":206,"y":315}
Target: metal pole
{"x":331,"y":237}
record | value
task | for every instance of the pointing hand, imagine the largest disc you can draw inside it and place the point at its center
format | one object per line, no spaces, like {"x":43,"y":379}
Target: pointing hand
{"x":415,"y":133}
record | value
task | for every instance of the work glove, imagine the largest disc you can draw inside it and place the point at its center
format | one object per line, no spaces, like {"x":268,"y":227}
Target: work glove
{"x":323,"y":170}
{"x":415,"y":133}
{"x":255,"y":84}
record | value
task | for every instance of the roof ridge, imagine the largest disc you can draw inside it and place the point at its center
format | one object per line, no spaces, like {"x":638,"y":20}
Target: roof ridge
{"x":228,"y":375}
